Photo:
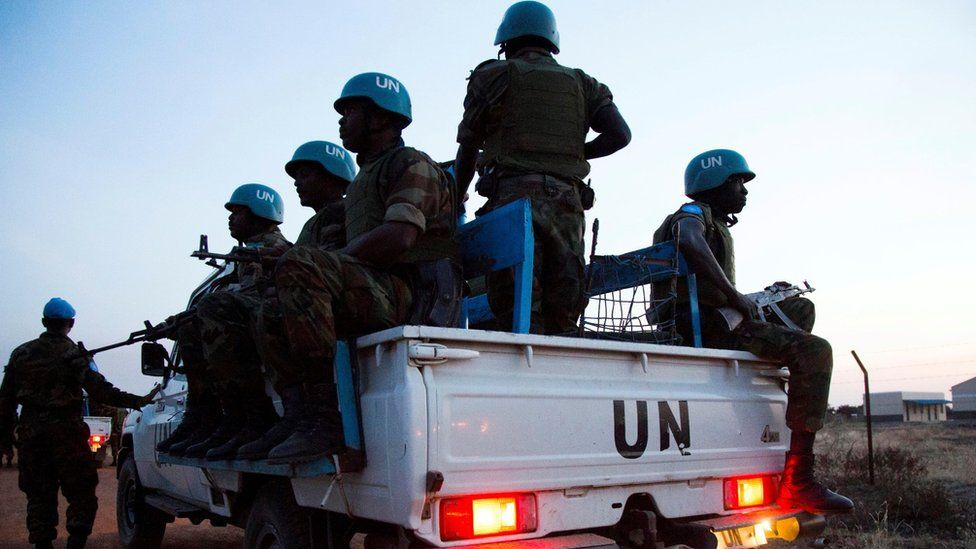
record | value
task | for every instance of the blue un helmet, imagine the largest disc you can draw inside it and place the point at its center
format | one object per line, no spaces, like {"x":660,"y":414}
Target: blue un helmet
{"x":58,"y":308}
{"x":263,"y":201}
{"x":383,"y":90}
{"x":332,"y":157}
{"x":529,"y":19}
{"x":710,"y":169}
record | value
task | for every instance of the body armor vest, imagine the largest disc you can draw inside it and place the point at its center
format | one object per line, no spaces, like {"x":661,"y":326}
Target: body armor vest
{"x":366,"y":209}
{"x":719,"y":241}
{"x":540,"y":125}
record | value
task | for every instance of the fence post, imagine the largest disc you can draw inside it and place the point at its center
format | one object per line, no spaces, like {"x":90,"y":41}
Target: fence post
{"x":867,"y":416}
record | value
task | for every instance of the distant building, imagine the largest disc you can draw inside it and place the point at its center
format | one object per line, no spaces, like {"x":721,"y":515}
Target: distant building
{"x":908,"y":406}
{"x":964,"y":399}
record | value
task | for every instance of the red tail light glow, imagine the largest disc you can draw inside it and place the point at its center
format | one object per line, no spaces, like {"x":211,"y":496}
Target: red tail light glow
{"x":95,"y":442}
{"x":479,"y":516}
{"x":745,"y":492}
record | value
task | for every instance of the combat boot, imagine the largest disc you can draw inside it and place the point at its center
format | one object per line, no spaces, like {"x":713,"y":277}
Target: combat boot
{"x":230,"y":423}
{"x":318,"y":434}
{"x":192,"y":419}
{"x":76,"y":542}
{"x":44,"y":545}
{"x":293,"y":400}
{"x":258,"y":419}
{"x":209,"y":422}
{"x":799,"y":490}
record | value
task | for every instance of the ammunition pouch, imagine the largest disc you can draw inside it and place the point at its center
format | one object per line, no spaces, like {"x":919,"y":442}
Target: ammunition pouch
{"x":486,"y":185}
{"x":437,"y":288}
{"x":587,"y":196}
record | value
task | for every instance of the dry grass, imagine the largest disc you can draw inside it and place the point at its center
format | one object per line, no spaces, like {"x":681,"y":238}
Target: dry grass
{"x":924,"y":494}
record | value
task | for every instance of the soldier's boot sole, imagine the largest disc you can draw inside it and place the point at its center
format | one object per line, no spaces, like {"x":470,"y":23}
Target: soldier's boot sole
{"x":228,"y":450}
{"x":309,"y":444}
{"x":181,"y":433}
{"x":303,"y":451}
{"x":259,"y":448}
{"x":201,"y":434}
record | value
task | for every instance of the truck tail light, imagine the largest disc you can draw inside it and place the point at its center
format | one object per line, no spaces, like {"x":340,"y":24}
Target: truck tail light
{"x":95,"y":442}
{"x":744,"y":492}
{"x":478,"y":516}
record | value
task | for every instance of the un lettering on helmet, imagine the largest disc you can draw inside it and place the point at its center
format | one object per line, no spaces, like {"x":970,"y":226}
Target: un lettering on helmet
{"x":711,"y":162}
{"x":265,"y":195}
{"x":332,"y":150}
{"x":387,"y":83}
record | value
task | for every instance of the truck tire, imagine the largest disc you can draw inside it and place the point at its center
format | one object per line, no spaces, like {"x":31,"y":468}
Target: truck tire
{"x":140,"y":527}
{"x":100,"y":458}
{"x":276,"y":521}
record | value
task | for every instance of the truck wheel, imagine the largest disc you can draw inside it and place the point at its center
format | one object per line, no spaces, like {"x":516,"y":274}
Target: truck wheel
{"x":100,"y":458}
{"x":140,"y":527}
{"x":276,"y":521}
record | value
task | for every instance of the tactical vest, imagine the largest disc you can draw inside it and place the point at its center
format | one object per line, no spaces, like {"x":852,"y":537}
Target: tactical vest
{"x":719,"y":241}
{"x":540,"y":125}
{"x":366,"y":207}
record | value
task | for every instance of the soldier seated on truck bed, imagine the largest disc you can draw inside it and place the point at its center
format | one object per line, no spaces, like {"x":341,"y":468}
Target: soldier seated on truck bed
{"x":715,"y":180}
{"x":220,"y":393}
{"x":322,"y":171}
{"x":397,"y":265}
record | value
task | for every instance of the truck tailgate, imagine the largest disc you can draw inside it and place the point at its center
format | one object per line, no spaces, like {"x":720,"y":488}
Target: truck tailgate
{"x":546,"y":413}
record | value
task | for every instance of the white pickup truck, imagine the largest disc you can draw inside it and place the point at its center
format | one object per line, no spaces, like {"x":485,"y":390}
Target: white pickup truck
{"x":465,"y":437}
{"x":484,"y":437}
{"x":100,"y":430}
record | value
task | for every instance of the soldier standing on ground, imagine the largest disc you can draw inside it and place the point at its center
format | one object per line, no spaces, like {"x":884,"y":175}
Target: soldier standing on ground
{"x":400,"y":219}
{"x":46,"y":377}
{"x":716,"y":180}
{"x":242,"y":404}
{"x":531,"y":116}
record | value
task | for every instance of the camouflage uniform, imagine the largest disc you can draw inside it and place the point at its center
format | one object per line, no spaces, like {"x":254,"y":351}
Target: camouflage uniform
{"x":326,"y":232}
{"x":229,"y":329}
{"x":46,"y":376}
{"x":325,"y":294}
{"x":808,"y":357}
{"x":531,"y":116}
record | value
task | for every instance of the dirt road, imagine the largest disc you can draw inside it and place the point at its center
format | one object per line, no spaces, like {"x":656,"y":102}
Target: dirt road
{"x":179,"y":535}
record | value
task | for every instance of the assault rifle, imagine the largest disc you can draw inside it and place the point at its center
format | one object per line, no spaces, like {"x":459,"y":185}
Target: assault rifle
{"x":766,"y":303}
{"x":203,"y":252}
{"x":151,"y":333}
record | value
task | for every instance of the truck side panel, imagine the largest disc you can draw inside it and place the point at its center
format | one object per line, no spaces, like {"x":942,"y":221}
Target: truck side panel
{"x":394,"y":418}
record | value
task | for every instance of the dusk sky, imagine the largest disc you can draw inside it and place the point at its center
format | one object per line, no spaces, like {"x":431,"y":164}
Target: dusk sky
{"x":124,"y":127}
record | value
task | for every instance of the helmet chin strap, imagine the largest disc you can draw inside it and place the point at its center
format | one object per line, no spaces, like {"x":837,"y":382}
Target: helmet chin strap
{"x":731,"y":219}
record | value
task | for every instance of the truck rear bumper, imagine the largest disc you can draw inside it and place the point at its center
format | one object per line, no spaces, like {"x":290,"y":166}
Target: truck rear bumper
{"x":758,"y":527}
{"x":573,"y":541}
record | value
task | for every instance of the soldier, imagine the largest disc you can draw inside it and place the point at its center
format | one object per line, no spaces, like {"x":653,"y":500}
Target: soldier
{"x":400,"y":220}
{"x":237,"y":385}
{"x":322,"y":171}
{"x":46,"y":376}
{"x":531,"y":116}
{"x":715,"y":180}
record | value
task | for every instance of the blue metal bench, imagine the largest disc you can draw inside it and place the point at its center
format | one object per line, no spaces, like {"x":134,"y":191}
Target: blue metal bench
{"x":658,"y":263}
{"x":496,"y":241}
